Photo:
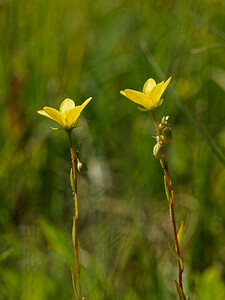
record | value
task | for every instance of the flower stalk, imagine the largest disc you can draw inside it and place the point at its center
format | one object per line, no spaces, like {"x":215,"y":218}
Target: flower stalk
{"x":68,"y":117}
{"x":169,"y":194}
{"x":75,"y":275}
{"x":150,"y":99}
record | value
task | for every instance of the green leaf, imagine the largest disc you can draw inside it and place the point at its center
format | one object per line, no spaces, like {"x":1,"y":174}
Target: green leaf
{"x":171,"y":203}
{"x":75,"y":281}
{"x":209,"y":141}
{"x":167,"y":189}
{"x":179,"y":290}
{"x":74,"y":232}
{"x":180,"y":233}
{"x":72,"y":180}
{"x":177,"y":255}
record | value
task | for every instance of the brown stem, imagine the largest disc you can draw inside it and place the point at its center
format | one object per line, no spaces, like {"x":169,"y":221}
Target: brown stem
{"x":74,"y":156}
{"x":173,"y":220}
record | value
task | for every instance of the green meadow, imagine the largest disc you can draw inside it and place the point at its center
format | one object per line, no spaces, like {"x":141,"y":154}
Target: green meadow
{"x":52,"y":50}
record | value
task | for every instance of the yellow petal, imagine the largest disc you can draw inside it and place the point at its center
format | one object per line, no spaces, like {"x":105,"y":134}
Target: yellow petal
{"x":159,"y":103}
{"x":166,"y":84}
{"x":156,"y":93}
{"x":149,"y":85}
{"x":43,"y":113}
{"x":86,"y":102}
{"x":136,"y":97}
{"x":67,"y":104}
{"x":55,"y":114}
{"x":74,"y":114}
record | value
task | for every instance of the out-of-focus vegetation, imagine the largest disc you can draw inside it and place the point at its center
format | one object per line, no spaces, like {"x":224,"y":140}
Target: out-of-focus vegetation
{"x":51,"y":50}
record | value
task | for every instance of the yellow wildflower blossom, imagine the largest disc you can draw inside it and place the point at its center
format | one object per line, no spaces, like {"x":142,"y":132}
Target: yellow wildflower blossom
{"x":67,"y":115}
{"x":151,"y":96}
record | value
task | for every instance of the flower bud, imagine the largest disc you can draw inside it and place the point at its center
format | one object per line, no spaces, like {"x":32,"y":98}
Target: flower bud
{"x":158,"y":151}
{"x":164,"y":120}
{"x":167,"y":134}
{"x":82,"y":167}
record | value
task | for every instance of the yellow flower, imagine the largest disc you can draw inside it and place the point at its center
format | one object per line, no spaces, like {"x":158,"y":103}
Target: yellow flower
{"x":67,"y":115}
{"x":151,"y":96}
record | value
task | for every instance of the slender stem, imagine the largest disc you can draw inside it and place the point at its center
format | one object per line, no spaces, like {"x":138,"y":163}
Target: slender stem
{"x":74,"y":156}
{"x":173,"y":220}
{"x":156,"y":122}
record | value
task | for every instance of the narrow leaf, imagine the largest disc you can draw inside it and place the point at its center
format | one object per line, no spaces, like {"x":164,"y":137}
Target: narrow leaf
{"x":170,"y":209}
{"x":74,"y":232}
{"x":181,"y":263}
{"x":180,"y":233}
{"x":179,"y":290}
{"x":78,"y":288}
{"x":71,"y":180}
{"x":176,"y":254}
{"x":74,"y":281}
{"x":173,"y":250}
{"x":167,"y":189}
{"x":76,"y":285}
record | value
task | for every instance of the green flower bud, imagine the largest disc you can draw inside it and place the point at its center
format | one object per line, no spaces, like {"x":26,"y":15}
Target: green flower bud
{"x":82,"y":167}
{"x":158,"y":151}
{"x":167,"y":135}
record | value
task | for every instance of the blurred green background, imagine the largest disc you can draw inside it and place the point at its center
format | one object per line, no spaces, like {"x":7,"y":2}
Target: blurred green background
{"x":51,"y":50}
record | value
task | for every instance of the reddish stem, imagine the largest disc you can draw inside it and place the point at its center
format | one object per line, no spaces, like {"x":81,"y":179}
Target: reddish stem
{"x":173,"y":220}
